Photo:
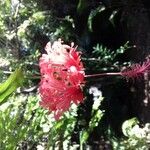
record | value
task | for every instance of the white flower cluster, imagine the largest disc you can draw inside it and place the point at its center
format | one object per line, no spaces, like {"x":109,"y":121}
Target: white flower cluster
{"x":142,"y":133}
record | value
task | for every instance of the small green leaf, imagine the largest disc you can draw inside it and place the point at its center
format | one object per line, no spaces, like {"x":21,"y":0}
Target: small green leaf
{"x":59,"y":124}
{"x":93,"y":13}
{"x":10,"y":85}
{"x":81,"y":6}
{"x":112,"y":16}
{"x":84,"y":136}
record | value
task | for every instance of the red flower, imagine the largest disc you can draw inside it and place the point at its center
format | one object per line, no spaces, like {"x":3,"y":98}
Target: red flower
{"x":62,"y":77}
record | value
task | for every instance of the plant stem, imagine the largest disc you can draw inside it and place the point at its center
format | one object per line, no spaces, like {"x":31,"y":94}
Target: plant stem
{"x":81,"y":146}
{"x":104,"y":74}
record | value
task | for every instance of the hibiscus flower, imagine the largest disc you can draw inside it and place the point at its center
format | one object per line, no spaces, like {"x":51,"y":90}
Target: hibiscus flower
{"x":62,"y":78}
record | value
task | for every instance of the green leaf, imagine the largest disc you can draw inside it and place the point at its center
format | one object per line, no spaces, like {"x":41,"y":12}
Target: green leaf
{"x":59,"y":124}
{"x":112,"y":16}
{"x":83,"y":136}
{"x":128,"y":125}
{"x":10,"y":85}
{"x":81,"y":6}
{"x":93,"y":13}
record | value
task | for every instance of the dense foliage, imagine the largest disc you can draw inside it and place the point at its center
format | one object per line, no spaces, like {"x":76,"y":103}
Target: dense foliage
{"x":106,"y":119}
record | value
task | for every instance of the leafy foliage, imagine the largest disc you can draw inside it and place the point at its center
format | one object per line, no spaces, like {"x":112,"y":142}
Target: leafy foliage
{"x":25,"y":28}
{"x":97,"y":115}
{"x":136,"y":137}
{"x":10,"y":85}
{"x":104,"y":59}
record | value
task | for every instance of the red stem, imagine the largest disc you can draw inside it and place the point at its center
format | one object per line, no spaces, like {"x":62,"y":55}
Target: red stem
{"x":104,"y":74}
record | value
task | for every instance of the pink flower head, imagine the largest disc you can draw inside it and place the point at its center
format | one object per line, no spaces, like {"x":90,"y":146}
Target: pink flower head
{"x":62,"y":77}
{"x":136,"y":70}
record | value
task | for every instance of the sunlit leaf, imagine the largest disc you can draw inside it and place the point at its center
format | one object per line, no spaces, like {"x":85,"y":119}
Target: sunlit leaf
{"x":10,"y":85}
{"x":128,"y":125}
{"x":84,"y":136}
